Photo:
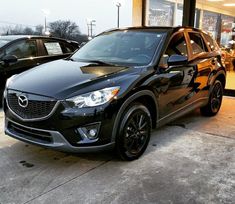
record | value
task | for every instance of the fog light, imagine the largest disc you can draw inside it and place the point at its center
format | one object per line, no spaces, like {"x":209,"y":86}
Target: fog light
{"x":92,"y":132}
{"x":89,"y":132}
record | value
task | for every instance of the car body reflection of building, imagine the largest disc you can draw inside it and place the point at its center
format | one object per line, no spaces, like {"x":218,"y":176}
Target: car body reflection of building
{"x":214,"y":17}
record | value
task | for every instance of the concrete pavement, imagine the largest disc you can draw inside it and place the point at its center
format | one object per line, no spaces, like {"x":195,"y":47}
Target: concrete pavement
{"x":192,"y":160}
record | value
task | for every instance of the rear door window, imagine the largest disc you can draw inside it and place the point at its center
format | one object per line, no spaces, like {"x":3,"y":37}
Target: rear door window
{"x":52,"y":47}
{"x":197,"y":43}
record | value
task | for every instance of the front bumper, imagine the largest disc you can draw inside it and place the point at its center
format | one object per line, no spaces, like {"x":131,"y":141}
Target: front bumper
{"x":55,"y":140}
{"x":62,"y":130}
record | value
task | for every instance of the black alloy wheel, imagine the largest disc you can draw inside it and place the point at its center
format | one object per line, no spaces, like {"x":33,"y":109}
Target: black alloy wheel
{"x":135,"y":131}
{"x":215,"y":100}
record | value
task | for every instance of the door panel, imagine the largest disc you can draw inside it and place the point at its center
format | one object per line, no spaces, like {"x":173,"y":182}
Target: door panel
{"x":204,"y":69}
{"x":177,"y":82}
{"x":205,"y":63}
{"x":176,"y":89}
{"x":20,"y":66}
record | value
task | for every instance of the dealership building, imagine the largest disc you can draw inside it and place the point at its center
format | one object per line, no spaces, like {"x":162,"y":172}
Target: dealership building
{"x":214,"y":16}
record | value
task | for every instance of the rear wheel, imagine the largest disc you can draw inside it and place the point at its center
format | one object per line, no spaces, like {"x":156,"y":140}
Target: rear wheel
{"x":134,"y":132}
{"x":215,"y":100}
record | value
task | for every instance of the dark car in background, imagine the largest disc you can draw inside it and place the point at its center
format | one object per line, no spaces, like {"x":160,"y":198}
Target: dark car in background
{"x":115,"y":89}
{"x":19,"y":53}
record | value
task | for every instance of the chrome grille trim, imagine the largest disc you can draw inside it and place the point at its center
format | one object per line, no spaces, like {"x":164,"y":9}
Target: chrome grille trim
{"x":32,"y":119}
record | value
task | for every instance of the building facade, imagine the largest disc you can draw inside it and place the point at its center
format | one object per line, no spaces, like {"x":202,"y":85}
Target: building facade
{"x":214,"y":16}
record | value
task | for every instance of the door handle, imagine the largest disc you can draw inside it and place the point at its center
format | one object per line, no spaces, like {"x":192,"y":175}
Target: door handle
{"x":191,"y":72}
{"x":213,"y":62}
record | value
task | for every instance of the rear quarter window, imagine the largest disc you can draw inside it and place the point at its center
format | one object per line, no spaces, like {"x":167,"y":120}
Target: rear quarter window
{"x":67,"y":48}
{"x":197,"y":43}
{"x":211,"y":42}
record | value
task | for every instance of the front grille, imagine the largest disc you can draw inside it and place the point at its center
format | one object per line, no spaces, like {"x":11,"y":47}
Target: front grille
{"x":29,"y":133}
{"x":37,"y":107}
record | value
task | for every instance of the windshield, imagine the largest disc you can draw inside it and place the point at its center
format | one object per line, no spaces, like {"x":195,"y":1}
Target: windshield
{"x":3,"y":42}
{"x":121,"y":47}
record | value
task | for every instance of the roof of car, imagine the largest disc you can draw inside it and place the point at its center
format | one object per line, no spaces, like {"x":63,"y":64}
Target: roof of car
{"x":156,"y":27}
{"x":16,"y":37}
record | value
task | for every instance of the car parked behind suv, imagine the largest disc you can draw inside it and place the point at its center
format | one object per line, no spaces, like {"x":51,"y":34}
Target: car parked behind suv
{"x":115,"y":89}
{"x":19,"y":53}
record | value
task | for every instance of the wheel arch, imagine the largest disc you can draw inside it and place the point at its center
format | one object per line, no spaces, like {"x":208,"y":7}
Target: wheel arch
{"x":221,"y":77}
{"x":147,"y":98}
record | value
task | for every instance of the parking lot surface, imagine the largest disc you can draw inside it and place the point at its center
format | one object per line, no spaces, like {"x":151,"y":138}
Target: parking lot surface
{"x":191,"y":160}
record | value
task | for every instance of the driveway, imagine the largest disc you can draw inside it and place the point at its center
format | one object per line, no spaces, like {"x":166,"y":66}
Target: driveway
{"x":192,"y":160}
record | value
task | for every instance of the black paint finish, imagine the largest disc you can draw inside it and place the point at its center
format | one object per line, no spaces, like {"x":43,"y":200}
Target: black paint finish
{"x":168,"y":92}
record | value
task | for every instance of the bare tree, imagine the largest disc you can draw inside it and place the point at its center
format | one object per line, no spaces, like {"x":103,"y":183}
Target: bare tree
{"x":5,"y":30}
{"x":28,"y":31}
{"x":38,"y":30}
{"x":64,"y":29}
{"x":17,"y":30}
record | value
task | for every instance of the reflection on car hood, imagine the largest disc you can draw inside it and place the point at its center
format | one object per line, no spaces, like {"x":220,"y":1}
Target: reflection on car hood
{"x":61,"y":78}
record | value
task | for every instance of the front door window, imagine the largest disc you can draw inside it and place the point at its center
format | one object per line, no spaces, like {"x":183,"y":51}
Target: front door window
{"x":22,"y":49}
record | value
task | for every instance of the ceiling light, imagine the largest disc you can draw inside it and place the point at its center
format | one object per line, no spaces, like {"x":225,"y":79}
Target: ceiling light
{"x":233,"y":4}
{"x":215,"y":0}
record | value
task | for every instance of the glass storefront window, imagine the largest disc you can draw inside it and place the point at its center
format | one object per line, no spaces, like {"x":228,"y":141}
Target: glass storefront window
{"x":210,"y":23}
{"x":161,"y":13}
{"x":197,"y":18}
{"x":179,"y":15}
{"x":226,"y":30}
{"x":207,"y":18}
{"x":228,"y":49}
{"x":221,"y":27}
{"x":164,"y":13}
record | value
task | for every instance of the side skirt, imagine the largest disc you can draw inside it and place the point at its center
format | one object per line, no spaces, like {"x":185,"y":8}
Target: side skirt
{"x":182,"y":111}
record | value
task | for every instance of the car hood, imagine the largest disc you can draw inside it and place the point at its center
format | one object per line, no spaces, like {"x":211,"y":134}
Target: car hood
{"x":62,"y":79}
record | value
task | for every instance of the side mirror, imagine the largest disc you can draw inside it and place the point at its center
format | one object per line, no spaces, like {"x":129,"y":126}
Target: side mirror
{"x":175,"y":60}
{"x":9,"y":59}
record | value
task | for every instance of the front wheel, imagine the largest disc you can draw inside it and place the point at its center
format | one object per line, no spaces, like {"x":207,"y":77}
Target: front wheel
{"x":215,"y":100}
{"x":134,"y":132}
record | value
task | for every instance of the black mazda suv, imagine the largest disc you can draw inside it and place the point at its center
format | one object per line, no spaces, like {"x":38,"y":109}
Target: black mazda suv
{"x":115,"y":89}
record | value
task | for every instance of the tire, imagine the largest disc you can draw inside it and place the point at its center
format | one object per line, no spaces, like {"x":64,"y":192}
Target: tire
{"x":215,"y":100}
{"x":134,"y":132}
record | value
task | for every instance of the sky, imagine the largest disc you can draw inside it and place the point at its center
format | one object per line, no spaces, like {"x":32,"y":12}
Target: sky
{"x":29,"y":12}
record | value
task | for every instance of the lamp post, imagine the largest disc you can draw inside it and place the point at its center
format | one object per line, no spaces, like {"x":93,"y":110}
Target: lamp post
{"x":118,"y":4}
{"x":46,"y":13}
{"x":90,"y":24}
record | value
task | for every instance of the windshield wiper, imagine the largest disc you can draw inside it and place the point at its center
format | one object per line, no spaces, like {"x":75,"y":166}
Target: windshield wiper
{"x":99,"y":62}
{"x":69,"y":59}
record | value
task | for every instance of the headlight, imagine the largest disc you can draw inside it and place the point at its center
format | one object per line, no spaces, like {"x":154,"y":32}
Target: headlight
{"x":95,"y":98}
{"x":9,"y":80}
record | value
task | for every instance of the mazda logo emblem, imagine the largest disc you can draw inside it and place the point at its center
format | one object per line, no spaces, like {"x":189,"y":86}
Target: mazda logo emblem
{"x":23,"y":101}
